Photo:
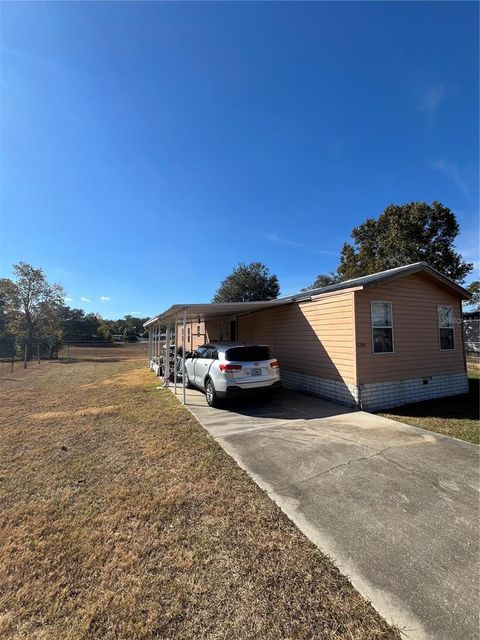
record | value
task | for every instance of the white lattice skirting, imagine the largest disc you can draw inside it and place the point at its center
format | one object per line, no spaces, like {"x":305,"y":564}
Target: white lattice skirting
{"x":378,"y":395}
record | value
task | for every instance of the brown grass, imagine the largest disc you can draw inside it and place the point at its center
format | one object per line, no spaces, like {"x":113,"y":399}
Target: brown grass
{"x":121,"y":518}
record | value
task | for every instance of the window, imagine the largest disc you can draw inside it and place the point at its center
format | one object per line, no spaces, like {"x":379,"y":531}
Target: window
{"x":445,"y":328}
{"x":382,"y":327}
{"x":188,"y":334}
{"x":210,"y":354}
{"x":200,"y":352}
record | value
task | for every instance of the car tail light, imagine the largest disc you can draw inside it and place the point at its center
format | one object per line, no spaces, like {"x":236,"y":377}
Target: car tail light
{"x":274,"y":364}
{"x":229,"y":367}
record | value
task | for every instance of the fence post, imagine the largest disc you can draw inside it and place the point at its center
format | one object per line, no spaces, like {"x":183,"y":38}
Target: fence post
{"x":25,"y":357}
{"x":38,"y":353}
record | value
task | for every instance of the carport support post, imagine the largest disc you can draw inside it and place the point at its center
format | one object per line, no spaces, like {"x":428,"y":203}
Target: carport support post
{"x":159,"y":350}
{"x":166,"y":362}
{"x":183,"y":352}
{"x":175,"y":356}
{"x":155,"y":347}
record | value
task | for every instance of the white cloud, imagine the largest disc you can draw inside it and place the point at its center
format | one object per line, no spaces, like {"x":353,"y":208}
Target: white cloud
{"x":68,"y":299}
{"x":104,"y":298}
{"x":291,"y":243}
{"x":133,"y":313}
{"x":83,"y":299}
{"x":432,"y":97}
{"x":451,"y":170}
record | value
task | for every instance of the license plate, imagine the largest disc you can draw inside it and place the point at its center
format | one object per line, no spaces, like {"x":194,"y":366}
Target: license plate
{"x":256,"y":372}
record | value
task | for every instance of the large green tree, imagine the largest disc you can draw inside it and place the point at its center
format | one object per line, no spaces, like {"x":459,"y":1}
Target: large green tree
{"x":248,"y":283}
{"x":32,"y":305}
{"x":403,"y":234}
{"x":474,"y":288}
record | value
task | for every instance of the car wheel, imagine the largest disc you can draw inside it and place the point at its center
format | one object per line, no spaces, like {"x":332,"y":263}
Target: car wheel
{"x":211,"y":396}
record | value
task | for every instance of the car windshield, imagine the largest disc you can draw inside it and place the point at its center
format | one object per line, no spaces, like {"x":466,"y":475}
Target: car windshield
{"x":248,"y":354}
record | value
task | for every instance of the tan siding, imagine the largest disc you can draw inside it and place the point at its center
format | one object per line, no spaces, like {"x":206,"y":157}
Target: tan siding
{"x":192,"y":340}
{"x":245,"y":328}
{"x":314,"y":338}
{"x":210,"y":331}
{"x":415,"y":328}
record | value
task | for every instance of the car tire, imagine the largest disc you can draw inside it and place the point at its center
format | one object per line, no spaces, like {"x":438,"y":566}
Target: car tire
{"x":210,"y":395}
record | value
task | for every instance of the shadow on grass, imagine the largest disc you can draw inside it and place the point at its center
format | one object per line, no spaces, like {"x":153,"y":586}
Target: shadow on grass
{"x":462,"y":407}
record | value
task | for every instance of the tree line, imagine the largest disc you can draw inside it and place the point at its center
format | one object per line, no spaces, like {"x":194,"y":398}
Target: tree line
{"x":33,"y":314}
{"x":33,"y":311}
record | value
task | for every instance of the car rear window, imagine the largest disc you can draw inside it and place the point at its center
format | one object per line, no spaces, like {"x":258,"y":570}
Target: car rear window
{"x":248,"y":354}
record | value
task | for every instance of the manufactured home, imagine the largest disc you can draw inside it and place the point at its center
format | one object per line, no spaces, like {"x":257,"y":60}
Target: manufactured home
{"x":374,"y":342}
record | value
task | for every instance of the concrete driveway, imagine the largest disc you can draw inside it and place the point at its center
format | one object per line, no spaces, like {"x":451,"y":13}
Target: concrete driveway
{"x":395,"y":507}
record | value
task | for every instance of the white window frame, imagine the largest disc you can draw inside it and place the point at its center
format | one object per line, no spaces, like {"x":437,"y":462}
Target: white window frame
{"x":382,"y":353}
{"x":448,"y":306}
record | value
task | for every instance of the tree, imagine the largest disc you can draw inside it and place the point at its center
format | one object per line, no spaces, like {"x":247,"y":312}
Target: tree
{"x":403,"y":234}
{"x":323,"y":280}
{"x":248,"y":283}
{"x":32,"y":305}
{"x":474,"y":288}
{"x":103,"y":330}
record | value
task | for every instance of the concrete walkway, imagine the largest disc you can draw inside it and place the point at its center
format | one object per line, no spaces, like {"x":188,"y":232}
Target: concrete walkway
{"x":395,"y":507}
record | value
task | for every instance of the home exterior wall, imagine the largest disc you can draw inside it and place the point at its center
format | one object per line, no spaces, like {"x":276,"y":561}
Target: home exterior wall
{"x":417,"y":369}
{"x":314,"y":342}
{"x":211,"y":330}
{"x":325,"y":345}
{"x":196,"y":334}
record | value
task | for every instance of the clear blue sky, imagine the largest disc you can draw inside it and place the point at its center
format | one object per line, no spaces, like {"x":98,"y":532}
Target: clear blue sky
{"x":147,"y":148}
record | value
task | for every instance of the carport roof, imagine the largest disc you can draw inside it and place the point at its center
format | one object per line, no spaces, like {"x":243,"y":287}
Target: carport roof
{"x":216,"y":309}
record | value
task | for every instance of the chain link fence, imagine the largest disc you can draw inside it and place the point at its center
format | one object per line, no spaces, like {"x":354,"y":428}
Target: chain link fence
{"x":14,"y":355}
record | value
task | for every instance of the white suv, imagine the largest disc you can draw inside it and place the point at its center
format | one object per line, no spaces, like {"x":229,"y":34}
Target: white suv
{"x":225,"y":370}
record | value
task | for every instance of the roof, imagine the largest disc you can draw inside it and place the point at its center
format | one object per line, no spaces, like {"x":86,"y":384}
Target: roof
{"x":217,"y":309}
{"x":212,"y":310}
{"x":391,"y":274}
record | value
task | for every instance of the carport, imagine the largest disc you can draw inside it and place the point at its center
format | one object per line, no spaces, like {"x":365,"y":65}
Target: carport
{"x":371,"y":343}
{"x":176,"y":317}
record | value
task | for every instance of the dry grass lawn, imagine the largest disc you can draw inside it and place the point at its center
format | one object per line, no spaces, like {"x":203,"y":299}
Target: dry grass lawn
{"x":123,"y":519}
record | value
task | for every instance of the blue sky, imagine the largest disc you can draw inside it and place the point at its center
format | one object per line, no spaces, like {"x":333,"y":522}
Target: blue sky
{"x":147,"y":148}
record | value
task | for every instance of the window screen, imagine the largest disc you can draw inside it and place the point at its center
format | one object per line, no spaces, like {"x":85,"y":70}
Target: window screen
{"x":382,"y":327}
{"x":445,"y":328}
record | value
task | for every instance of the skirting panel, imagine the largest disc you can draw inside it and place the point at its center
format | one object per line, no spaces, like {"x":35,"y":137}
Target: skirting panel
{"x":382,"y":395}
{"x":378,"y":395}
{"x":334,"y":390}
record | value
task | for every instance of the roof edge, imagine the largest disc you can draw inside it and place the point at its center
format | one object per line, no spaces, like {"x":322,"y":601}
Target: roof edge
{"x":304,"y":296}
{"x":390,"y":274}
